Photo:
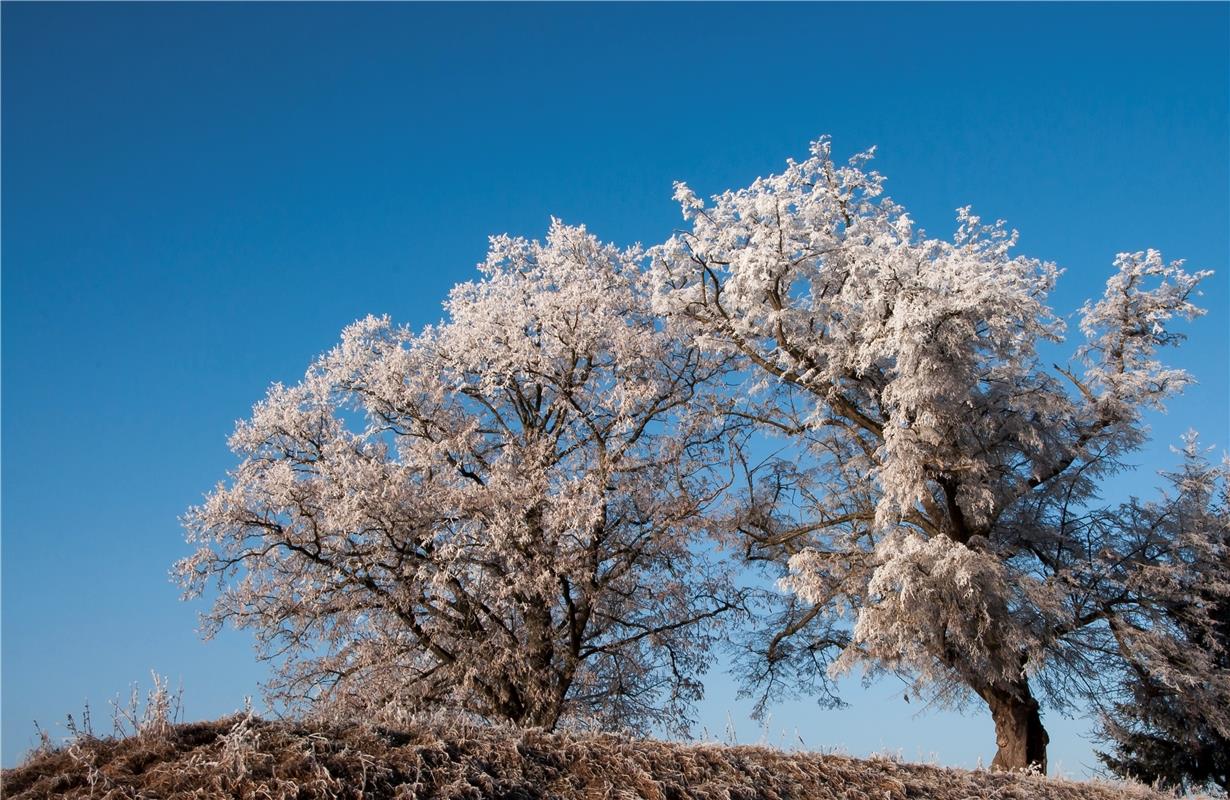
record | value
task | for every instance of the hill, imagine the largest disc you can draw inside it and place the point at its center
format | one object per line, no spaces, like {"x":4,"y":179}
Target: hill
{"x":243,"y":756}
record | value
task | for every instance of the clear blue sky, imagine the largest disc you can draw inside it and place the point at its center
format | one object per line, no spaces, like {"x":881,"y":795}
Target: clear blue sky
{"x":197,"y":198}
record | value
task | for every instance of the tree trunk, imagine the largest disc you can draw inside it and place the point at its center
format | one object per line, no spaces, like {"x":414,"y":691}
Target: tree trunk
{"x":1018,"y":727}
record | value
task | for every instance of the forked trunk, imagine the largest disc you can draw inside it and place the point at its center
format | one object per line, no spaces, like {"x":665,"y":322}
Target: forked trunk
{"x":1018,"y":728}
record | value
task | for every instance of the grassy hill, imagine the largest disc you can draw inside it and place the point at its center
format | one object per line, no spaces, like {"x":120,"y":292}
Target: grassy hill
{"x":243,"y":756}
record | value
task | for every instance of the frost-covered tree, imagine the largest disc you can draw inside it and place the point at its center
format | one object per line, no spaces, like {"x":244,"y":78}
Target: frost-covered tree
{"x":940,"y":524}
{"x":1169,"y":722}
{"x":494,"y":515}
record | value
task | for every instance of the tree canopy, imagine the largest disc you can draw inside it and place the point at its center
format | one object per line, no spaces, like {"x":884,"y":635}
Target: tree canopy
{"x":516,"y":513}
{"x":937,"y":516}
{"x":1167,"y":722}
{"x":497,"y":514}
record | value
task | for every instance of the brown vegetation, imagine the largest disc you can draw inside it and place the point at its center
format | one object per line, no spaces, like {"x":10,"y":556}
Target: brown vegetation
{"x":245,"y":757}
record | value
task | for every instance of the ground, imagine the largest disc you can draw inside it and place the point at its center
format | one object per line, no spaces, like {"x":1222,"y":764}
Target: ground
{"x":243,"y":756}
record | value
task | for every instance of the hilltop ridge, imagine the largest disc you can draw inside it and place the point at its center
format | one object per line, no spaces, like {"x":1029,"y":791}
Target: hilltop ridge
{"x":244,"y":756}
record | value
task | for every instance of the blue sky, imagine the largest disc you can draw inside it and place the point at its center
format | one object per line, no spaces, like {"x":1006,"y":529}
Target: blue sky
{"x":197,"y":198}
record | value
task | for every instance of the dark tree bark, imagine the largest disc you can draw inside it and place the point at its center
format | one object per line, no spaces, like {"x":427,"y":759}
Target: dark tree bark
{"x":1019,"y":734}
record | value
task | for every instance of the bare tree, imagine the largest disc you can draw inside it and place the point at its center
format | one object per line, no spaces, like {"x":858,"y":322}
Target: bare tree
{"x":933,"y":512}
{"x":495,"y":515}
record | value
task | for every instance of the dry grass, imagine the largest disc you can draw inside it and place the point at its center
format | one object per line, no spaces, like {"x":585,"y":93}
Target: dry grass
{"x":245,"y":757}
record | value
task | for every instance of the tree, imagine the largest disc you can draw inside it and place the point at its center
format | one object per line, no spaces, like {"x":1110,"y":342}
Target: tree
{"x":1169,"y":723}
{"x":494,"y":515}
{"x":935,"y":515}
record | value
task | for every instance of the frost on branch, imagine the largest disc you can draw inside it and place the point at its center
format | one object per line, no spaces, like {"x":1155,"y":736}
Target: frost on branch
{"x":1168,"y":720}
{"x":1127,"y":326}
{"x":927,"y":596}
{"x":495,"y":515}
{"x":933,"y":509}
